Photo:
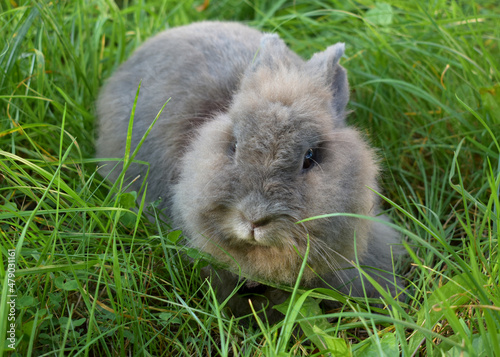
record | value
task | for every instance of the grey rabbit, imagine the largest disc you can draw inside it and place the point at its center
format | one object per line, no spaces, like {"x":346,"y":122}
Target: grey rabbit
{"x":253,"y":140}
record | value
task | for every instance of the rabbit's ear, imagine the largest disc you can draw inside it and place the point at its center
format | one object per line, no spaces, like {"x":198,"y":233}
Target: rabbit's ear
{"x":326,"y":65}
{"x":272,"y":51}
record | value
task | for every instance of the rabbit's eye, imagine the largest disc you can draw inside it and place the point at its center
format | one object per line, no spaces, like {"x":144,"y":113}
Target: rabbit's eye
{"x":232,"y":148}
{"x":309,"y":159}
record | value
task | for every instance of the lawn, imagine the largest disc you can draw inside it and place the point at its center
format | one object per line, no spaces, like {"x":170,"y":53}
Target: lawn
{"x":84,"y":273}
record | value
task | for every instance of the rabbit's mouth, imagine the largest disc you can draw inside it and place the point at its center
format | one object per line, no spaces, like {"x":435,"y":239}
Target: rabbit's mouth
{"x":267,"y":263}
{"x":271,"y":249}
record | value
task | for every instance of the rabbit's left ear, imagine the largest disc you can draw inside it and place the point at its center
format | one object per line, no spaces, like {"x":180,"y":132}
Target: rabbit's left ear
{"x":326,"y":65}
{"x":272,"y":51}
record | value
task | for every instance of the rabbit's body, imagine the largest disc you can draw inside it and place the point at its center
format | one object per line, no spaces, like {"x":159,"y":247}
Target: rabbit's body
{"x":196,"y":66}
{"x":252,"y":141}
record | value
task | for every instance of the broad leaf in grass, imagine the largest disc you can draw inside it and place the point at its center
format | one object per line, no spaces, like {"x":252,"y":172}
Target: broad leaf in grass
{"x":376,"y":346}
{"x":315,"y":328}
{"x":128,"y":199}
{"x":174,"y":236}
{"x":129,"y":335}
{"x":335,"y":345}
{"x":9,"y":206}
{"x":170,"y":318}
{"x":26,"y":301}
{"x":128,"y":219}
{"x":74,"y":323}
{"x":65,"y":283}
{"x":380,"y":15}
{"x":477,"y":344}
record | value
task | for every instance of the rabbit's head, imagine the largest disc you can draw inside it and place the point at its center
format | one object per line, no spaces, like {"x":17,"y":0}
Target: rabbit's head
{"x":281,"y":153}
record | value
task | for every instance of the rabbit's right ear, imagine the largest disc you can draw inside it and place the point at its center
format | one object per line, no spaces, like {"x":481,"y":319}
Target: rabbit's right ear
{"x":272,"y":51}
{"x":326,"y":65}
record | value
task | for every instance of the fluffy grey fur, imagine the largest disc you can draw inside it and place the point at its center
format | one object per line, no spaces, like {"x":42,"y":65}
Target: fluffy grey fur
{"x":253,"y":140}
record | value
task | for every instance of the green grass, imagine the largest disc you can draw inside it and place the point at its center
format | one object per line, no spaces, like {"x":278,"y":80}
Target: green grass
{"x":95,"y":278}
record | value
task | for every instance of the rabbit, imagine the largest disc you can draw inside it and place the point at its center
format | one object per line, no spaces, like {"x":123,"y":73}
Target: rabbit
{"x":253,"y":140}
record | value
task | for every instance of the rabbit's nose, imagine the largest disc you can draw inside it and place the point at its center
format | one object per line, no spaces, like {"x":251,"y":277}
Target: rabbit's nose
{"x":251,"y":228}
